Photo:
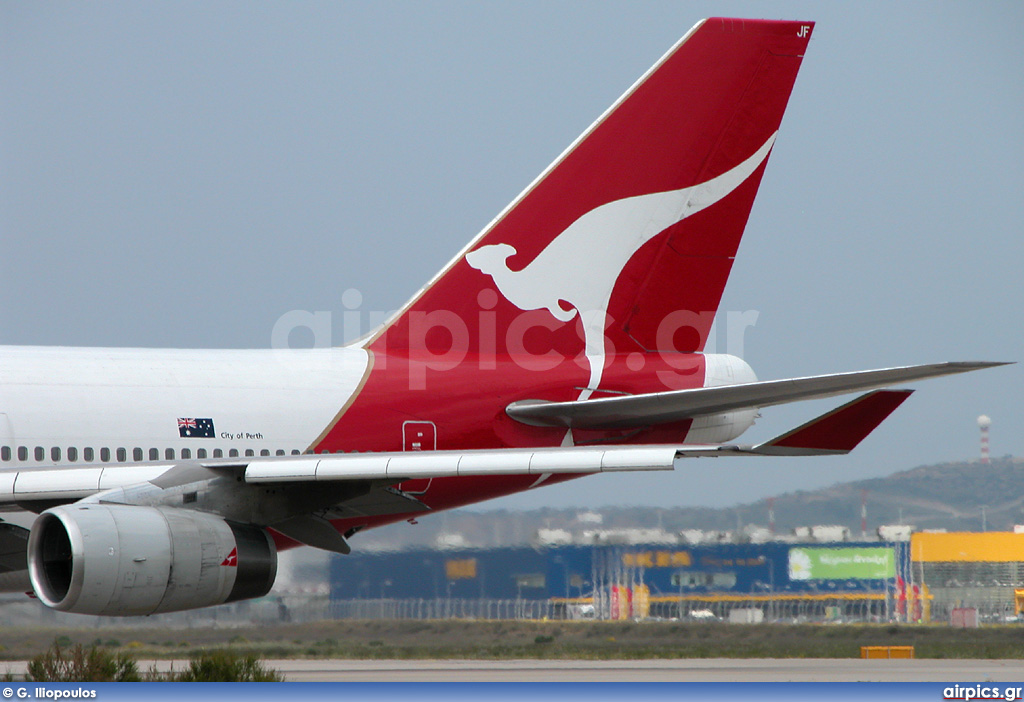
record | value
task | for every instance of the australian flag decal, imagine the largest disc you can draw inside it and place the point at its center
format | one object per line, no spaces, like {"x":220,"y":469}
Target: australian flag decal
{"x":195,"y":428}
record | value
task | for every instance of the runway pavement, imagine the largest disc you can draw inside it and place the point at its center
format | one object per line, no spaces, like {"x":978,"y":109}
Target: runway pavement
{"x":677,"y":670}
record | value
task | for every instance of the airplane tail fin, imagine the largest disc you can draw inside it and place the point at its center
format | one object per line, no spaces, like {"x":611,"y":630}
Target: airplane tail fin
{"x":639,"y":219}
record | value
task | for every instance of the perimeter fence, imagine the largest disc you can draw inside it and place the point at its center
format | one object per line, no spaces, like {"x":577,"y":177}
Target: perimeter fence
{"x":990,"y":604}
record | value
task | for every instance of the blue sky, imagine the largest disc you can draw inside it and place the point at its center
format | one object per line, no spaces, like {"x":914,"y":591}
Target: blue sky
{"x":184,"y":174}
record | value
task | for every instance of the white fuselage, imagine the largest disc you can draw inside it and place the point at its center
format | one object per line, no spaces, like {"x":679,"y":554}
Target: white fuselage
{"x":63,"y":405}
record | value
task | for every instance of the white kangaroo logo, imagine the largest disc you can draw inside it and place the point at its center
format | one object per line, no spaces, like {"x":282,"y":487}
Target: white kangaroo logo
{"x":580,"y":265}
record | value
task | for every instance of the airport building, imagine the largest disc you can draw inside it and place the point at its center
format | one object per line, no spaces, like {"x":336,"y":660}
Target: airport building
{"x":914,"y":577}
{"x":964,"y":570}
{"x":844,"y":580}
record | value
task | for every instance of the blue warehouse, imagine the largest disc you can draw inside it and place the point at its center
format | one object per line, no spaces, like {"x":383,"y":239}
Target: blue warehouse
{"x":788,"y":579}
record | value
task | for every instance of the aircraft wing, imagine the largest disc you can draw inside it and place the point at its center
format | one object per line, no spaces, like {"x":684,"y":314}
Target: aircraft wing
{"x":675,"y":405}
{"x":837,"y":431}
{"x":35,"y":489}
{"x":322,"y":487}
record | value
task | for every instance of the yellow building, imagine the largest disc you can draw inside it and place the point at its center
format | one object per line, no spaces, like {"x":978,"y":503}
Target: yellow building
{"x":969,"y":569}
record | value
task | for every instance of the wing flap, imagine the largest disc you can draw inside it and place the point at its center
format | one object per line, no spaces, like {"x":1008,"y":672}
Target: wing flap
{"x":62,"y":485}
{"x":313,"y":530}
{"x":377,"y":502}
{"x":48,"y":485}
{"x":672,"y":406}
{"x":442,"y":464}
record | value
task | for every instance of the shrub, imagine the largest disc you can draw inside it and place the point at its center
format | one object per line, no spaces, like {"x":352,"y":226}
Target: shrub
{"x":97,"y":664}
{"x":225,"y":666}
{"x":80,"y":664}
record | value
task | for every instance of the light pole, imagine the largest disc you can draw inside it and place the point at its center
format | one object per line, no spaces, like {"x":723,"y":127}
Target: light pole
{"x":429,"y":563}
{"x":565,"y":572}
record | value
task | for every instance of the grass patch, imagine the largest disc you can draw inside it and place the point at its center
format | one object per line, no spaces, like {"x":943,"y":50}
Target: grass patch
{"x":509,"y":639}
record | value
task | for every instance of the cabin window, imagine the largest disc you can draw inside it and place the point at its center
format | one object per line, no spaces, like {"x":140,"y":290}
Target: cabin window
{"x":154,"y":454}
{"x":88,"y":454}
{"x":122,"y":455}
{"x":72,"y":453}
{"x":280,"y":452}
{"x":233,"y":453}
{"x":23,"y":453}
{"x":169,"y":454}
{"x":250,"y":452}
{"x":218,"y":453}
{"x":5,"y":453}
{"x":265,"y":452}
{"x":296,"y":452}
{"x":185,"y":453}
{"x":105,"y":455}
{"x":55,"y":454}
{"x":200,"y":453}
{"x":137,"y":454}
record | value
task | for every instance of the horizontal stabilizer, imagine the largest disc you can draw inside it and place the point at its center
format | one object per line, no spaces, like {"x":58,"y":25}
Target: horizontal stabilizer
{"x":838,"y":431}
{"x":675,"y":405}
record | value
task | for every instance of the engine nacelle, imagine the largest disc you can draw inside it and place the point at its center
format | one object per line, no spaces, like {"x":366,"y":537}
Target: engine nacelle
{"x":723,"y":369}
{"x":122,"y":560}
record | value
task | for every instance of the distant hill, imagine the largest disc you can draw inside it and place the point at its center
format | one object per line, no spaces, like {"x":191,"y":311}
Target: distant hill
{"x":944,"y":496}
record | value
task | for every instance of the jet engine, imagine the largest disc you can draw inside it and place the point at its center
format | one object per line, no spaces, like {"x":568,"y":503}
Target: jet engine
{"x":123,"y":560}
